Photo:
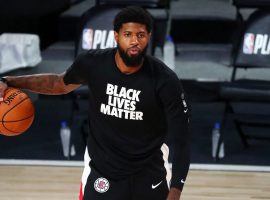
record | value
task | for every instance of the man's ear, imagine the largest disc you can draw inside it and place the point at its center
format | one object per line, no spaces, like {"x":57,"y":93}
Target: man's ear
{"x":116,"y":36}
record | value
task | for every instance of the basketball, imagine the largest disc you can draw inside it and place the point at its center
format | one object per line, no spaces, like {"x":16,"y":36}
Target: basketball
{"x":16,"y":112}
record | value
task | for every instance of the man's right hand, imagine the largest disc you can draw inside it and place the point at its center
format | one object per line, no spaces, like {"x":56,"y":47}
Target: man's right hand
{"x":3,"y":87}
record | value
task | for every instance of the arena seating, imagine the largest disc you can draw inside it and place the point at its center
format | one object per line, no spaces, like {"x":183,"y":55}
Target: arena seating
{"x":31,"y":16}
{"x":252,"y":51}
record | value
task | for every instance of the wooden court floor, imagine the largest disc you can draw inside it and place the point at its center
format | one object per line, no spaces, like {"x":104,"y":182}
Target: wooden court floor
{"x":62,"y":183}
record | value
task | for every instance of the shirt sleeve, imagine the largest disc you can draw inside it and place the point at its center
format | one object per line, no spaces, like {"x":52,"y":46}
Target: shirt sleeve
{"x":78,"y":72}
{"x":177,"y":114}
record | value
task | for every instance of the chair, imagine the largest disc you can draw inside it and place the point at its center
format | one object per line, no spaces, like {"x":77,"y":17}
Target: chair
{"x":251,"y":52}
{"x":251,"y":3}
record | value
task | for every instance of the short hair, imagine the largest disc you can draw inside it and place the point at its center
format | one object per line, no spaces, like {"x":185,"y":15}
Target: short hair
{"x":134,"y":14}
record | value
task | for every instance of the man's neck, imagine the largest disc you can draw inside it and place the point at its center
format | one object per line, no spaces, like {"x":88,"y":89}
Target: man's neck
{"x":123,"y":67}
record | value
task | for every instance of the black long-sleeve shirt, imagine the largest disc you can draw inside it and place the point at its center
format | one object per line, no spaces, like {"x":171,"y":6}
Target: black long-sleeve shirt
{"x":130,"y":116}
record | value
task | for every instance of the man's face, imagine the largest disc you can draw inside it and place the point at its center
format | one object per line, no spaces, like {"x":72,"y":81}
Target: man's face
{"x":132,"y":41}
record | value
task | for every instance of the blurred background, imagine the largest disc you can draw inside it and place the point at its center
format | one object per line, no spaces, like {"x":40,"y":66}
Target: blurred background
{"x":214,"y":46}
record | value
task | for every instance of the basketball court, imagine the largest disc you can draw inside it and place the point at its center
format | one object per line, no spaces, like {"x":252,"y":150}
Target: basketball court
{"x":56,"y":180}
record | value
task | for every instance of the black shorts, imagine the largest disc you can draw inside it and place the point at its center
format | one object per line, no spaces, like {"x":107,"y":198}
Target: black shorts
{"x":149,"y":184}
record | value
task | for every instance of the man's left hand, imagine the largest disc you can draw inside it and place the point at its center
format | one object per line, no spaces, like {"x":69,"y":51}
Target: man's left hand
{"x":174,"y":194}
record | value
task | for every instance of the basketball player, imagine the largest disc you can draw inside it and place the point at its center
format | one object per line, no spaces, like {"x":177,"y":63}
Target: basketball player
{"x":135,"y":104}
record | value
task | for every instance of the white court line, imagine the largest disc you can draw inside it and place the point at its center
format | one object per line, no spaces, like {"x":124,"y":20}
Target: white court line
{"x":213,"y":167}
{"x":220,"y":167}
{"x":57,"y":163}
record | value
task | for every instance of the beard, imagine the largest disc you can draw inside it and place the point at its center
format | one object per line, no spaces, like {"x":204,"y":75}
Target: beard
{"x":131,"y":61}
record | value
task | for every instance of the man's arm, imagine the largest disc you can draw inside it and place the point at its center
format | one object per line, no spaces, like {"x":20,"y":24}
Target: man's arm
{"x":51,"y":84}
{"x":177,"y":114}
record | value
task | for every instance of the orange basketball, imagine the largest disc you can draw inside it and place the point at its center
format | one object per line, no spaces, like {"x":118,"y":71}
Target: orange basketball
{"x":16,"y":112}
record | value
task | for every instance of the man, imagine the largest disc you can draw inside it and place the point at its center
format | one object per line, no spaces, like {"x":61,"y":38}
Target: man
{"x":135,"y":103}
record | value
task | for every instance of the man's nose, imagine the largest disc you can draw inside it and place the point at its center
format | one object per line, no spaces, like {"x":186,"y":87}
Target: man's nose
{"x":134,"y":39}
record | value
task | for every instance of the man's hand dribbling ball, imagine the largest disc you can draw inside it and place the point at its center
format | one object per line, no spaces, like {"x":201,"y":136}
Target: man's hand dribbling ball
{"x":3,"y":87}
{"x":16,"y":112}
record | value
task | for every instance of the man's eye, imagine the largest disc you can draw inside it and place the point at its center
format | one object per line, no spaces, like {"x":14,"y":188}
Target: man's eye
{"x":127,"y":34}
{"x":141,"y":35}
